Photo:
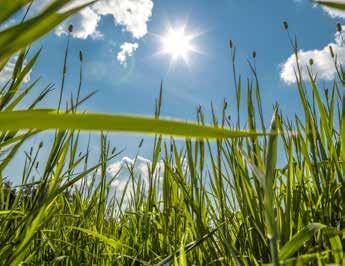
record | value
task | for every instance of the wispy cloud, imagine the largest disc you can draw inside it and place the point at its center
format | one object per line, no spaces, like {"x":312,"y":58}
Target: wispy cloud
{"x":127,"y":49}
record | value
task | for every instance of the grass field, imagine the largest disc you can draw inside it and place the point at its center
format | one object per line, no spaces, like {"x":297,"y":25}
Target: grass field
{"x":220,"y":199}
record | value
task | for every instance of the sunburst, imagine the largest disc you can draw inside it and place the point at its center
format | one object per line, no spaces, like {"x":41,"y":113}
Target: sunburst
{"x":178,"y":44}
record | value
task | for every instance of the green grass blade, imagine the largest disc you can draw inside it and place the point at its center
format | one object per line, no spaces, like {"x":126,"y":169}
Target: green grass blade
{"x":21,"y":35}
{"x":184,"y":250}
{"x":48,"y":119}
{"x":336,"y":5}
{"x":291,"y":247}
{"x":111,"y":242}
{"x":269,"y":198}
{"x":11,"y":212}
{"x":10,"y":7}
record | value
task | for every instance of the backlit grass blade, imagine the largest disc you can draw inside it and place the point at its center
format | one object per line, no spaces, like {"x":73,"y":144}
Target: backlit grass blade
{"x":335,"y":4}
{"x":111,"y":242}
{"x":184,"y":250}
{"x":11,"y":212}
{"x":21,"y":35}
{"x":337,"y":248}
{"x":342,"y":133}
{"x":269,"y":199}
{"x":48,"y":119}
{"x":291,"y":247}
{"x":9,"y":8}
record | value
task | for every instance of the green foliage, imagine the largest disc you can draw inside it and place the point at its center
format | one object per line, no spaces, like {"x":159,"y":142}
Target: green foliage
{"x":291,"y":247}
{"x":225,"y":201}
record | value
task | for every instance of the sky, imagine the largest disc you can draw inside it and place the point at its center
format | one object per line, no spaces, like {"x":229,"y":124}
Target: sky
{"x":125,"y":58}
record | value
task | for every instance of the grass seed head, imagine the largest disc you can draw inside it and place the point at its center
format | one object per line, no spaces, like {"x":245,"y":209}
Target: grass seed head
{"x":286,"y":25}
{"x":339,"y":27}
{"x":70,"y":28}
{"x":331,"y":51}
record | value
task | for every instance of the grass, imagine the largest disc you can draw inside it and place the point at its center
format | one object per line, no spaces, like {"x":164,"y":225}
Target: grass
{"x":221,"y":199}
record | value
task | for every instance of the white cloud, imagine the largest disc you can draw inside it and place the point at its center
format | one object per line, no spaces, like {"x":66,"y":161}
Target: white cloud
{"x":87,"y":181}
{"x":7,"y":71}
{"x":323,"y":64}
{"x":84,"y":23}
{"x":129,"y":170}
{"x":133,"y":15}
{"x":128,"y":173}
{"x":127,"y":49}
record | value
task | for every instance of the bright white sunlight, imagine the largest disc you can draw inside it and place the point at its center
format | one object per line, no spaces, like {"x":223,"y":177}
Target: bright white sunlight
{"x":178,"y":44}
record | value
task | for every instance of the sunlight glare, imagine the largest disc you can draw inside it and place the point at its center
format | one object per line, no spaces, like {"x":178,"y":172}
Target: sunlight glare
{"x":178,"y":44}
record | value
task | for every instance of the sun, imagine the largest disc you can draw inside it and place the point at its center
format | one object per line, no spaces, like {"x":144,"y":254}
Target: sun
{"x":178,"y":43}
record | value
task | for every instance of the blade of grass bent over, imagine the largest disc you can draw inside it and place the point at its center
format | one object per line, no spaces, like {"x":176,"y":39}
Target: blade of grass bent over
{"x":291,"y":247}
{"x":335,"y":5}
{"x":48,"y":119}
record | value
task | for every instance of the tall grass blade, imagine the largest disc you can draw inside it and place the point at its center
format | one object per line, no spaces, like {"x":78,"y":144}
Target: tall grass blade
{"x":298,"y":240}
{"x":48,"y":119}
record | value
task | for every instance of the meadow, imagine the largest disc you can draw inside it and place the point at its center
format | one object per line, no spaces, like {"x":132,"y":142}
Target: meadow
{"x":221,"y":198}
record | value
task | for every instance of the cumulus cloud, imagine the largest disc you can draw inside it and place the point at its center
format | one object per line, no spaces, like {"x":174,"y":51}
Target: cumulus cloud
{"x":127,"y":49}
{"x":133,"y":15}
{"x":132,"y":172}
{"x":138,"y":170}
{"x":84,"y":23}
{"x":128,"y":174}
{"x":323,"y":64}
{"x":7,"y":71}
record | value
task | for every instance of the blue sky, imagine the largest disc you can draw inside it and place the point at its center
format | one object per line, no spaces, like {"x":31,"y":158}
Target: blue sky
{"x":132,"y":89}
{"x":132,"y":86}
